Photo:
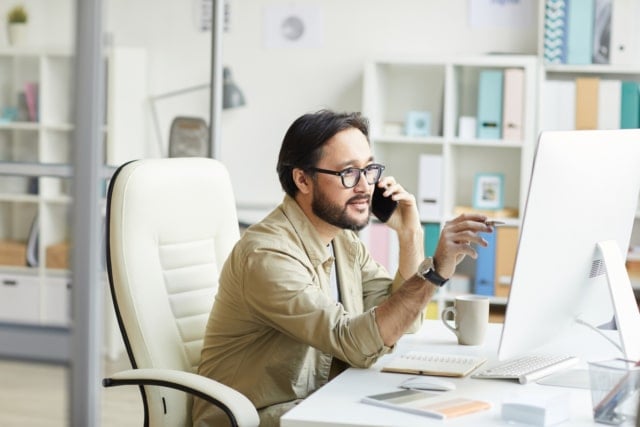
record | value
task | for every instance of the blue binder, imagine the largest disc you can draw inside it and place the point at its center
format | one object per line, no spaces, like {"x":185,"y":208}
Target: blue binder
{"x":580,"y":14}
{"x":431,"y":237}
{"x":630,"y":105}
{"x":489,"y":125}
{"x":486,"y":266}
{"x":555,"y":31}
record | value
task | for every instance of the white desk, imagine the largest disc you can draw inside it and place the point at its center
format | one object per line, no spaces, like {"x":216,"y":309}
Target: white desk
{"x":338,"y":402}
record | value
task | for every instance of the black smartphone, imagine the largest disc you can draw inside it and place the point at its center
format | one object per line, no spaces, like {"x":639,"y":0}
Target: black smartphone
{"x":382,"y":207}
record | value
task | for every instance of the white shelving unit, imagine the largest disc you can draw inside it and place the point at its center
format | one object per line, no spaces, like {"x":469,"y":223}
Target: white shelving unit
{"x":35,"y":176}
{"x":554,"y":73}
{"x":447,"y":88}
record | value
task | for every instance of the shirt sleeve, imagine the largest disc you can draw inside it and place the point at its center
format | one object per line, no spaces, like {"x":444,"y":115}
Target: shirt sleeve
{"x":284,"y":291}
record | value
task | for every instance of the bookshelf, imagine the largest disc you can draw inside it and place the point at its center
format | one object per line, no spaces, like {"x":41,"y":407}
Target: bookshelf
{"x":564,"y":94}
{"x":448,"y":89}
{"x":36,"y":176}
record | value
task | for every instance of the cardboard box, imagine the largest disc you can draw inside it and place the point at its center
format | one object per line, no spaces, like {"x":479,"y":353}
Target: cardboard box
{"x":13,"y":253}
{"x":57,"y":255}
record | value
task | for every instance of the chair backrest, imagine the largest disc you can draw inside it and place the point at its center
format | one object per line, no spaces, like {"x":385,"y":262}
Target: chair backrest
{"x":171,"y":224}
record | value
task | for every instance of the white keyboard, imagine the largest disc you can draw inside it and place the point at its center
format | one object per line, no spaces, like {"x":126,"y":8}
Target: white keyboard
{"x":528,"y":368}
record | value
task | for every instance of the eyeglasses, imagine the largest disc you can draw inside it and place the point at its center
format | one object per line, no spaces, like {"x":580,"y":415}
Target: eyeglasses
{"x":351,"y":176}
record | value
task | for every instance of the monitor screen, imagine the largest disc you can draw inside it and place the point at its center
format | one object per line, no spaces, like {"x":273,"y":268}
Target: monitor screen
{"x":583,"y":190}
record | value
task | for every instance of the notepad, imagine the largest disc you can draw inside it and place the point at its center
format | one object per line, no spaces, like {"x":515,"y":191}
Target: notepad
{"x":424,"y":363}
{"x":427,"y":404}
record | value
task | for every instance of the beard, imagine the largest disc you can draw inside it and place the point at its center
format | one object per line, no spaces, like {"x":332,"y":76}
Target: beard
{"x":336,"y":215}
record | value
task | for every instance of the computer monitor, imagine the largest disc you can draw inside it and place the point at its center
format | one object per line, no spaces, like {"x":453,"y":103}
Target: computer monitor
{"x":574,"y":236}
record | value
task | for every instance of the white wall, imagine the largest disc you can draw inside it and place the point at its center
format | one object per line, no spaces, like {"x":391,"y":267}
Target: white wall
{"x":281,"y":84}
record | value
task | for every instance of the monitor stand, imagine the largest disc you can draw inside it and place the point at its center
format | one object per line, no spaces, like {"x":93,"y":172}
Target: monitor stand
{"x":624,"y":302}
{"x":627,"y":317}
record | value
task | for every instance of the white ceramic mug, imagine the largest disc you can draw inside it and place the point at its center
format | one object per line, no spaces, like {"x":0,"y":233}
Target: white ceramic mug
{"x":471,"y":316}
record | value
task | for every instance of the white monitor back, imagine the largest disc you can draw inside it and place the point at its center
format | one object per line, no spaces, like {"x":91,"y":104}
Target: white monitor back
{"x":584,"y":190}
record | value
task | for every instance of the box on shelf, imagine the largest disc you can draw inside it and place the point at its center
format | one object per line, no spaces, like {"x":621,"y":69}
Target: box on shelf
{"x":57,"y":255}
{"x":13,"y":253}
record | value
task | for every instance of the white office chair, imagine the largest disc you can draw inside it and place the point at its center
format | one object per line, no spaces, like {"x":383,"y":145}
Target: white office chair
{"x":171,"y":223}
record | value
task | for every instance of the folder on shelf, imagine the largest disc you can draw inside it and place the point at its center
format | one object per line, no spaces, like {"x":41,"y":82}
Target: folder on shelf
{"x":558,"y":105}
{"x":485,"y":266}
{"x":609,"y":98}
{"x":555,"y":32}
{"x":580,"y":31}
{"x":431,"y":237}
{"x":513,"y":104}
{"x":490,"y":104}
{"x":506,"y":247}
{"x":378,"y":242}
{"x":31,"y":97}
{"x":601,"y":31}
{"x":625,"y":32}
{"x":430,"y":187}
{"x":587,"y":102}
{"x":629,"y":105}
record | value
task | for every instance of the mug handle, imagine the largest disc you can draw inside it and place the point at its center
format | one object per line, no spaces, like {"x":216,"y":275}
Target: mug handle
{"x":443,"y":316}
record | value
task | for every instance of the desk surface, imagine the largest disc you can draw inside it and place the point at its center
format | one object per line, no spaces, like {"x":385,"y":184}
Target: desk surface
{"x":338,"y":402}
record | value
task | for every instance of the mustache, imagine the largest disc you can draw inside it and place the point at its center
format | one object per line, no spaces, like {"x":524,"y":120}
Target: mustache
{"x":359,"y":198}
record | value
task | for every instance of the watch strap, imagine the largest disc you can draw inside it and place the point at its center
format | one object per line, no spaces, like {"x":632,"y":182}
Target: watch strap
{"x":427,"y":272}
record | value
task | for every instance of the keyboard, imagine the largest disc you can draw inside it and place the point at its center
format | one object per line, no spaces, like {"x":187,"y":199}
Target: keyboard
{"x":427,"y":363}
{"x":528,"y":368}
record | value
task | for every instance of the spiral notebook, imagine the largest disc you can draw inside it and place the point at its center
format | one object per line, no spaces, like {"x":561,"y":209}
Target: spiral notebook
{"x":437,"y":364}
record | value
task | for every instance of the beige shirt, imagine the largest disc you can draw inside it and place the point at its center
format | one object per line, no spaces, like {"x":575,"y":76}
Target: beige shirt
{"x":275,"y":326}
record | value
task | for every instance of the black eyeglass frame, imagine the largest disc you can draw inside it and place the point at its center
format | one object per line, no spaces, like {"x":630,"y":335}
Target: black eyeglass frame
{"x":361,"y":171}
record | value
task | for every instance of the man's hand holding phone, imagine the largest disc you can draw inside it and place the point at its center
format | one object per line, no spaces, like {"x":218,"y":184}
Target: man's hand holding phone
{"x":392,"y":204}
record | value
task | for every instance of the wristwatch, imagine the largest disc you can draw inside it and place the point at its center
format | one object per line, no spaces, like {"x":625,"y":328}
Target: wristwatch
{"x":426,"y":271}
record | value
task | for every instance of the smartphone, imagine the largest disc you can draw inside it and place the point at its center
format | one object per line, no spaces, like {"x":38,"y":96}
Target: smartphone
{"x":382,"y":207}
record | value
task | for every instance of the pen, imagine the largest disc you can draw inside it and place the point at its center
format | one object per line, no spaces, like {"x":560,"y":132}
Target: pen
{"x":623,"y":389}
{"x":493,"y":223}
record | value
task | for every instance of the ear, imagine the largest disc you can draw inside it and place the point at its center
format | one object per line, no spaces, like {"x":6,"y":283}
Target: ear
{"x":302,"y":180}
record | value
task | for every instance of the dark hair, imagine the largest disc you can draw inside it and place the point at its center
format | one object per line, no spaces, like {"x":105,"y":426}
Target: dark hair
{"x":303,"y":142}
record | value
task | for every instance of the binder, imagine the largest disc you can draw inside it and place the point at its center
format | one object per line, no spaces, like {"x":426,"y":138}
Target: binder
{"x":431,"y":236}
{"x":587,"y":102}
{"x":555,"y":32}
{"x":378,"y":243}
{"x":625,"y":45}
{"x":506,"y":247}
{"x":609,"y":98}
{"x":430,"y":187}
{"x":513,"y":105}
{"x":31,"y":96}
{"x":490,"y":104}
{"x":601,"y":32}
{"x":559,"y":105}
{"x":580,"y":31}
{"x":629,"y":106}
{"x":485,"y":266}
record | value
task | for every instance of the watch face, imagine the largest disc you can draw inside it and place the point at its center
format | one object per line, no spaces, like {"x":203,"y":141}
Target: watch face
{"x":425,"y":266}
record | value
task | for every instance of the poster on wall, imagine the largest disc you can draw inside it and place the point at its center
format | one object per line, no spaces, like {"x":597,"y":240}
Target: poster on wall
{"x":290,"y":26}
{"x":516,"y":14}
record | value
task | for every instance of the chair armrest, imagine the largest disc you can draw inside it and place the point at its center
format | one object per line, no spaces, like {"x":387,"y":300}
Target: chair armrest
{"x":230,"y":400}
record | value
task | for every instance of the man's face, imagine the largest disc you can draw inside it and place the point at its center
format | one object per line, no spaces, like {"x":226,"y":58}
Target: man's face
{"x":347,"y":208}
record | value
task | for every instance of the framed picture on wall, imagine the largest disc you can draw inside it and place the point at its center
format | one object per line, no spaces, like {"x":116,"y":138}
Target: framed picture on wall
{"x":488,"y":191}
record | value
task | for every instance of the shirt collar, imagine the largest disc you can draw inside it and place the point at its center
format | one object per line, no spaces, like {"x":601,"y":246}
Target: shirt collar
{"x":313,"y":246}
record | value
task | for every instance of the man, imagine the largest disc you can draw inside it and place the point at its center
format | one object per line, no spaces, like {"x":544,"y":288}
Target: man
{"x":300,"y":292}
